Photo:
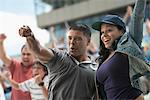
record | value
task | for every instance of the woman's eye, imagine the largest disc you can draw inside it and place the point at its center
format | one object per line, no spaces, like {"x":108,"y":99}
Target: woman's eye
{"x":102,"y":32}
{"x":109,"y":30}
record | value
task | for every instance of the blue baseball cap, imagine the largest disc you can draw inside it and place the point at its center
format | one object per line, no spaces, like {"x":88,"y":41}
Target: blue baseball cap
{"x":109,"y":19}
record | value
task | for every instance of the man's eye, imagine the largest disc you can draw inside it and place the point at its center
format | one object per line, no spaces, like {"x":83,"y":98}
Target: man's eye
{"x":78,"y":39}
{"x":69,"y":38}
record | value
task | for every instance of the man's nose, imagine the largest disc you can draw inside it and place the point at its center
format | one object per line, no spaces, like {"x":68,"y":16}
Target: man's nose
{"x":72,"y":41}
{"x":25,"y":55}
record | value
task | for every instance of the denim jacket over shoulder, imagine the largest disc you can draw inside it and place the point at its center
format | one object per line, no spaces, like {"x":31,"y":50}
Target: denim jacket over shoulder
{"x":130,"y":43}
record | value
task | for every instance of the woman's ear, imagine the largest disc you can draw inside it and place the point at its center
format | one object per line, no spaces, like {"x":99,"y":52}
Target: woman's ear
{"x":122,"y":32}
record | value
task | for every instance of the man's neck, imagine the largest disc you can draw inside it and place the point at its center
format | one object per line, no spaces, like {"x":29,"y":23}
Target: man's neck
{"x":26,"y":66}
{"x":82,"y":58}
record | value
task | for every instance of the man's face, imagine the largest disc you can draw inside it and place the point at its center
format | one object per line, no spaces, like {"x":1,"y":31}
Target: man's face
{"x":27,"y":56}
{"x":77,"y":43}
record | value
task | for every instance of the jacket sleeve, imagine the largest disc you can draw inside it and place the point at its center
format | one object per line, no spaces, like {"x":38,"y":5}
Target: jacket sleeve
{"x":137,"y":19}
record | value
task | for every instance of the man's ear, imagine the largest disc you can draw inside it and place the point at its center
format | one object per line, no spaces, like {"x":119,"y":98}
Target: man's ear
{"x":88,"y":43}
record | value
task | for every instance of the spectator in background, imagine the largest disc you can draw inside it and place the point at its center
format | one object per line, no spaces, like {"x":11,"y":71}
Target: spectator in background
{"x":6,"y":86}
{"x":127,"y":16}
{"x":72,"y":73}
{"x":146,"y":35}
{"x":146,"y":40}
{"x":21,"y":70}
{"x":37,"y":86}
{"x":55,"y":42}
{"x":2,"y":96}
{"x":92,"y":50}
{"x":146,"y":49}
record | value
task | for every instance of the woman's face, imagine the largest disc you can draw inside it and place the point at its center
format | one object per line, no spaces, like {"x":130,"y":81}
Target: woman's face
{"x":109,"y":33}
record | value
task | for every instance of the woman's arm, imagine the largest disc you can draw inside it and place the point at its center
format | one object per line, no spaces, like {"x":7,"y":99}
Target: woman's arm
{"x":137,"y":19}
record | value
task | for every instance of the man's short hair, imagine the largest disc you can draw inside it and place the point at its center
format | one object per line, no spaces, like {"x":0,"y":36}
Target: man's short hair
{"x":24,"y":46}
{"x":82,"y":28}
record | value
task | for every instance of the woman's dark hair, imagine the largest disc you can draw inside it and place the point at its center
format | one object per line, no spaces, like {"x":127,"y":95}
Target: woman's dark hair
{"x":104,"y":52}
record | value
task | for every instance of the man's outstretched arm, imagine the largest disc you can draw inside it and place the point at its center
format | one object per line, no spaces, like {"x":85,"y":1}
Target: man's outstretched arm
{"x":41,"y":52}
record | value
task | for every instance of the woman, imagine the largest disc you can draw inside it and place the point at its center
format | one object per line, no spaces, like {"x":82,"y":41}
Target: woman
{"x":121,"y":55}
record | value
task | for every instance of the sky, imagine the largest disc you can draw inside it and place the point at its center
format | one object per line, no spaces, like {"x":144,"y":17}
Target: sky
{"x":13,"y":15}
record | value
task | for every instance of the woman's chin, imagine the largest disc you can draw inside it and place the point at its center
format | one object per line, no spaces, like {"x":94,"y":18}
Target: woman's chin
{"x":107,"y":47}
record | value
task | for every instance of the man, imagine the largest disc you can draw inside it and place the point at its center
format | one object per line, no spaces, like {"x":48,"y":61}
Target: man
{"x":20,"y":70}
{"x":71,"y":73}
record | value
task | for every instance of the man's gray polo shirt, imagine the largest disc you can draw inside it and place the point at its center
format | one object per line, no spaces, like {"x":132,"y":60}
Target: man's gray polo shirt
{"x":69,"y":79}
